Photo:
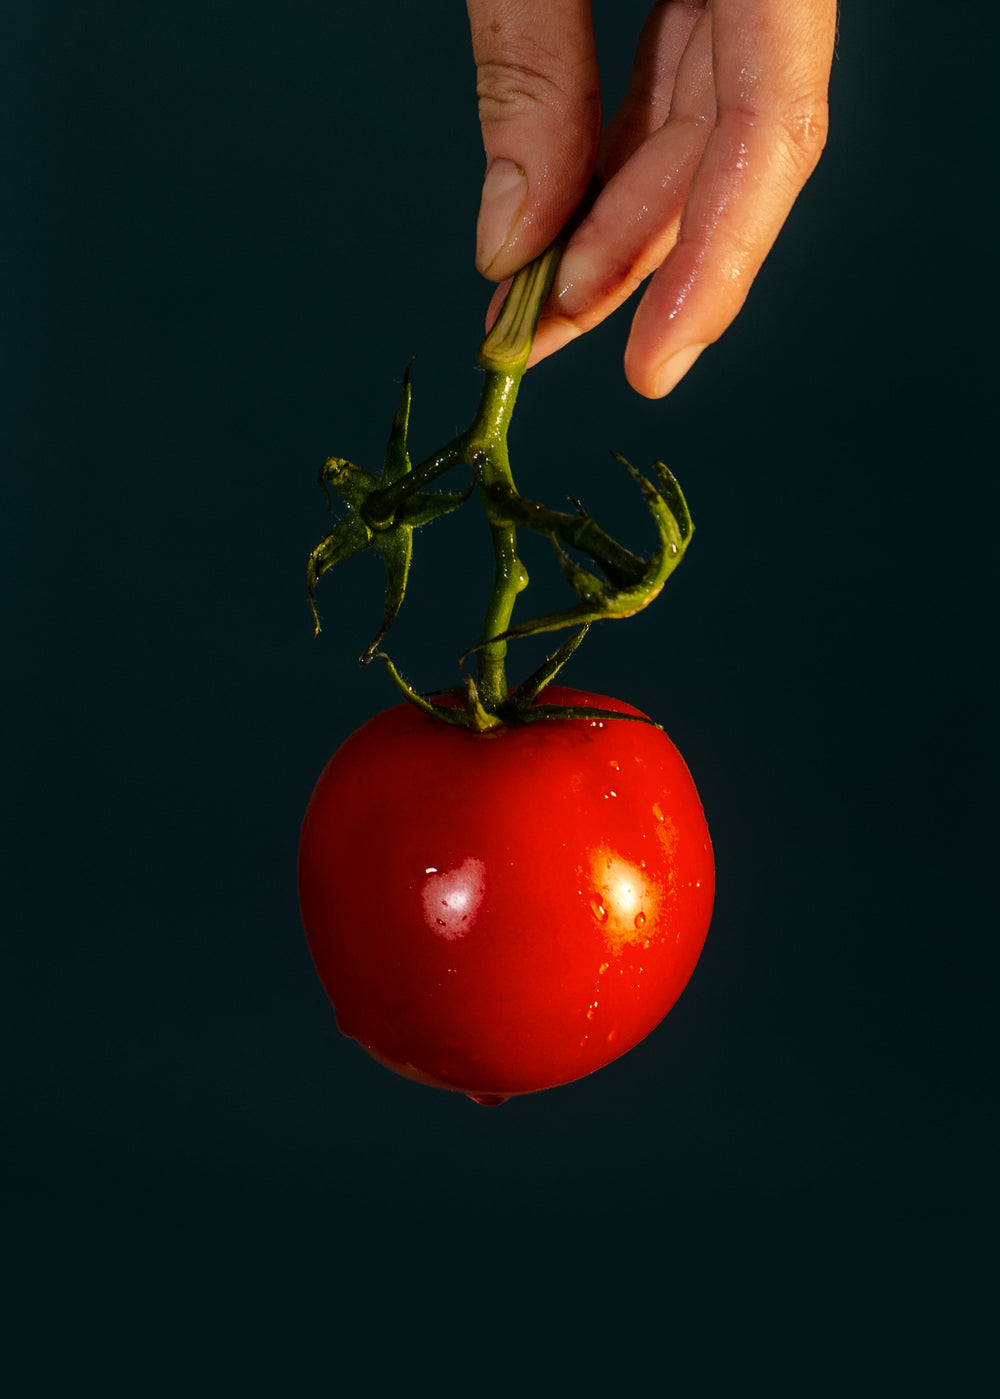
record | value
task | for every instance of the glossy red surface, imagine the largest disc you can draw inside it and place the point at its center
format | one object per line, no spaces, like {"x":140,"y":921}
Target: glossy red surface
{"x":500,"y":913}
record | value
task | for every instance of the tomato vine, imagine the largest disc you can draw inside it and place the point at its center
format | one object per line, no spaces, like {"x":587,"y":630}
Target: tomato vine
{"x":505,"y":889}
{"x":384,"y":511}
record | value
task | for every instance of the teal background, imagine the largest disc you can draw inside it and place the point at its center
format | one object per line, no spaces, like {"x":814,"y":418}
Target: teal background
{"x":230,"y":227}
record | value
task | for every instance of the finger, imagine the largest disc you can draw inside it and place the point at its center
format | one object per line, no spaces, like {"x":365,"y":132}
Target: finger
{"x":772,"y":62}
{"x":540,"y":110}
{"x":646,"y":106}
{"x":634,"y":222}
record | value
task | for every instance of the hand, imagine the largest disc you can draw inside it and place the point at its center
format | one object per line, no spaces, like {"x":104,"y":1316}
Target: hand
{"x":724,"y":121}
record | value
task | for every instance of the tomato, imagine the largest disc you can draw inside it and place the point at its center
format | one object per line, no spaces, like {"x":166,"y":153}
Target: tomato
{"x":501,"y":912}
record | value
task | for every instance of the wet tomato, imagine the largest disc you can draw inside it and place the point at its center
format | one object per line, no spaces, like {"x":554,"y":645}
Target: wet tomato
{"x":501,"y":912}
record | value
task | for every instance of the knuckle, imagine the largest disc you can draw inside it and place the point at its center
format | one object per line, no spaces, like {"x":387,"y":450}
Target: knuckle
{"x":507,"y":90}
{"x":802,"y":131}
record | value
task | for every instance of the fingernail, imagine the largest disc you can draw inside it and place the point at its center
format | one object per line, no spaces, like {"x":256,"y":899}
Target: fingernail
{"x":504,"y":192}
{"x":575,"y":277}
{"x":672,"y":371}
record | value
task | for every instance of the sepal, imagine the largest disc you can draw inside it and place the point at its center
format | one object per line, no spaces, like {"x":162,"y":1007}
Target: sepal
{"x":368,"y":524}
{"x":604,"y":598}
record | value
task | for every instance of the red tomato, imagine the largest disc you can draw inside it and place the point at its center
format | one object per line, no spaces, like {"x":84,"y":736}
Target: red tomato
{"x":502,"y":912}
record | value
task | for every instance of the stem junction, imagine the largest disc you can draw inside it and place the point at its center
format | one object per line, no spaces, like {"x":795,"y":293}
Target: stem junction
{"x":383,"y":511}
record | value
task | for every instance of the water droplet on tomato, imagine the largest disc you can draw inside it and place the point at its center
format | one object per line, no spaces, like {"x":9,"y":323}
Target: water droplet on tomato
{"x":489,"y":1100}
{"x":640,"y":919}
{"x":600,"y":912}
{"x":592,"y":1010}
{"x":602,"y":968}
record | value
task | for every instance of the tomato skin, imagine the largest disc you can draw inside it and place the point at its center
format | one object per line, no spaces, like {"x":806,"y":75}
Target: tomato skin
{"x":502,"y":912}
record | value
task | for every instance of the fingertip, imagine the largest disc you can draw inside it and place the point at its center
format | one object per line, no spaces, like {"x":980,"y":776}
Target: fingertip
{"x":657,"y":380}
{"x":672,"y":371}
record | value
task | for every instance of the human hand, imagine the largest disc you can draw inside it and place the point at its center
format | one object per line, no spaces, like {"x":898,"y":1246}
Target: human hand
{"x":724,"y":121}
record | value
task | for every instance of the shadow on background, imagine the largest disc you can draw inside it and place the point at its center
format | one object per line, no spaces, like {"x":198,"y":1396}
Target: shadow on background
{"x":233,"y":227}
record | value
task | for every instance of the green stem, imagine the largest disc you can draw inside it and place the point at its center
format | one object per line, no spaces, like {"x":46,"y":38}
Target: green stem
{"x":509,"y":579}
{"x":504,"y":355}
{"x":574,"y":531}
{"x":508,"y":343}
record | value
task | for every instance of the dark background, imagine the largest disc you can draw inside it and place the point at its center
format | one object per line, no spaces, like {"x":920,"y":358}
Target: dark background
{"x":229,"y":228}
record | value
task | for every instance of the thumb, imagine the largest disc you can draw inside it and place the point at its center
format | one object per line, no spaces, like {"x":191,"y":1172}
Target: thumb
{"x":540,"y":110}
